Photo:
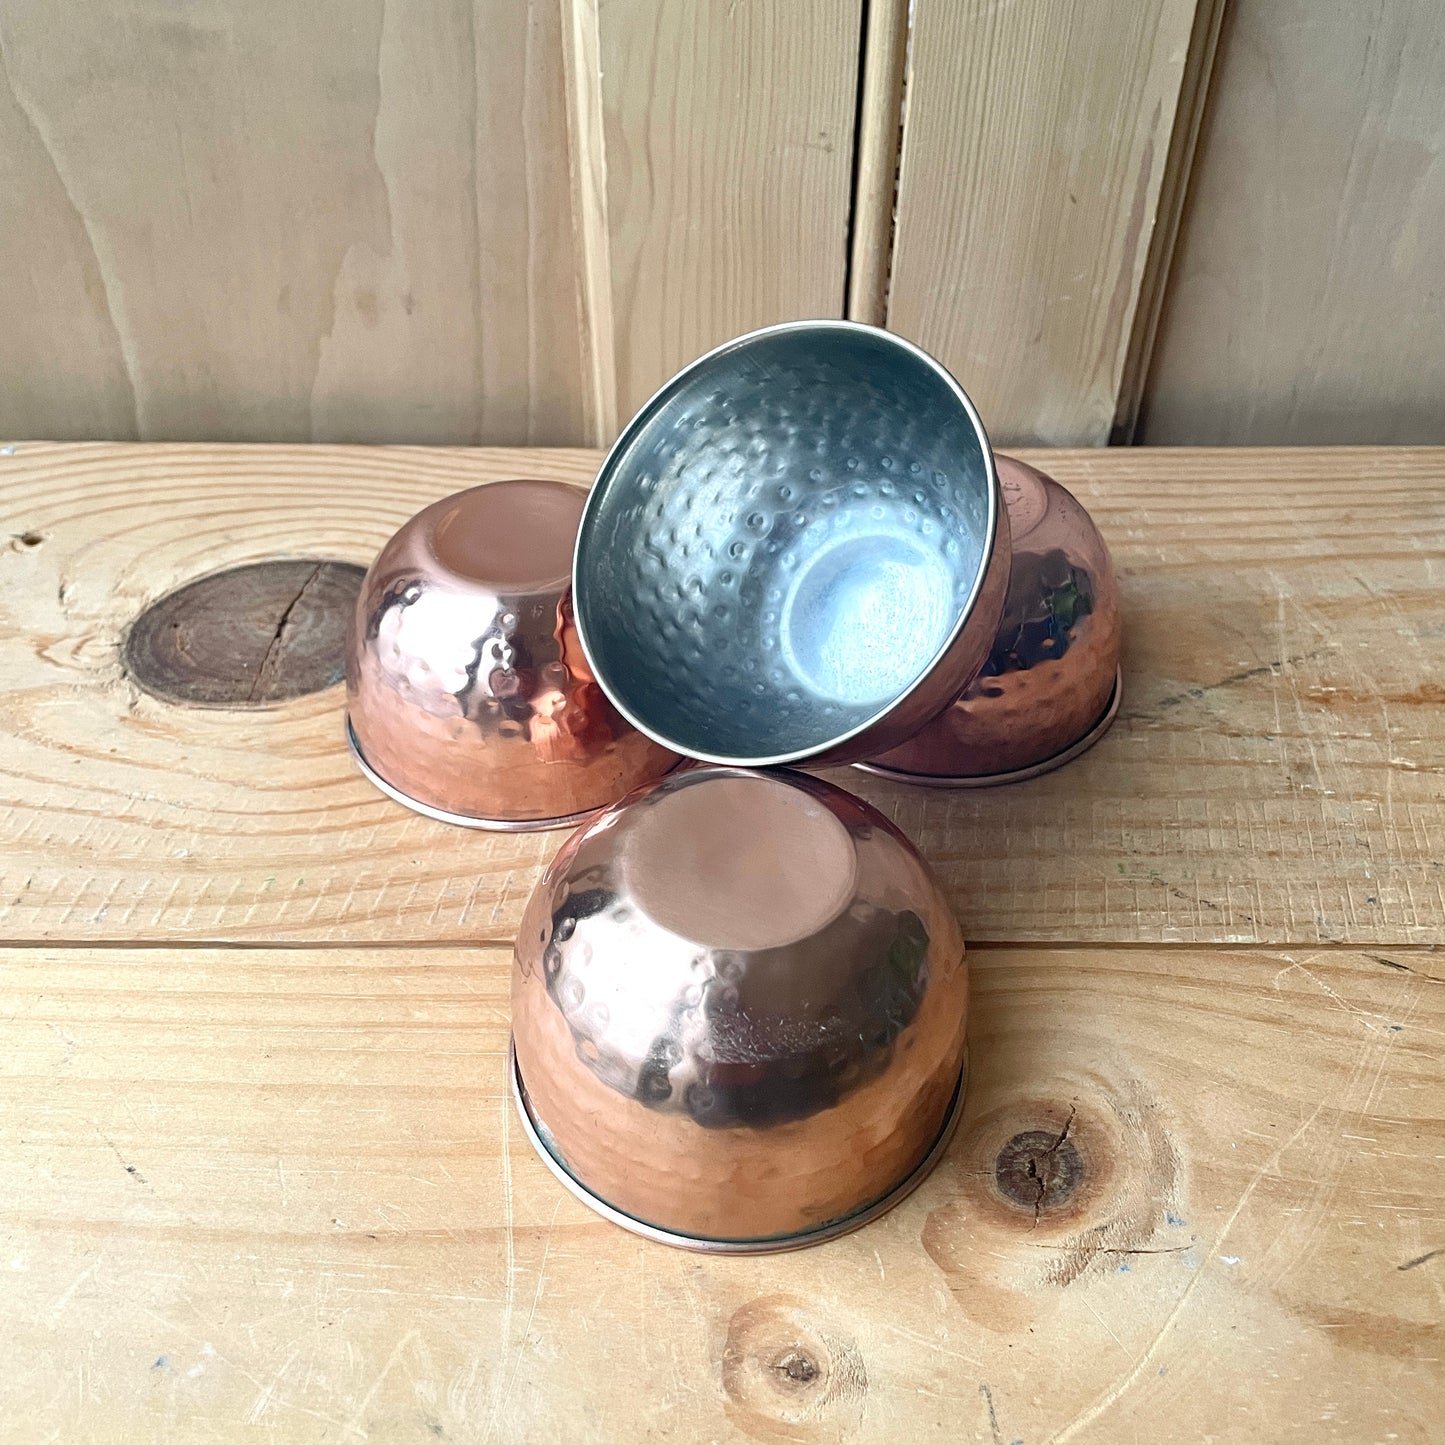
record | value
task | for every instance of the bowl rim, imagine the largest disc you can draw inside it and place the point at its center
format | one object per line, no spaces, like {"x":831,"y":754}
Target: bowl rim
{"x":537,"y":1137}
{"x":644,"y":418}
{"x":1067,"y":754}
{"x":540,"y":824}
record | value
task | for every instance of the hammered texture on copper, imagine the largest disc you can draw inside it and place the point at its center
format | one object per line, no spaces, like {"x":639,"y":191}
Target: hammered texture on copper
{"x":731,"y":1072}
{"x":785,"y":541}
{"x":1054,"y":662}
{"x":467,"y":688}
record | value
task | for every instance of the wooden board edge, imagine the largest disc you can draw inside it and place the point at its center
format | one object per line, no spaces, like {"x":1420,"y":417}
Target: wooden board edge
{"x":1194,"y":88}
{"x":879,"y":141}
{"x":587,"y":144}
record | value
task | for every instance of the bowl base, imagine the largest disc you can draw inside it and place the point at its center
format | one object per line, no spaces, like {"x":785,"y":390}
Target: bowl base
{"x":460,"y":820}
{"x":1017,"y":775}
{"x":773,"y":1244}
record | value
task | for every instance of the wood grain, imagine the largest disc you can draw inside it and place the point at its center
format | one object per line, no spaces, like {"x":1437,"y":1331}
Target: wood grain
{"x":407,"y":220}
{"x":1274,"y":776}
{"x":1304,"y":303}
{"x":279,"y":1194}
{"x":258,"y":1191}
{"x":280,"y":222}
{"x":250,"y":636}
{"x":1034,"y":148}
{"x":728,"y":137}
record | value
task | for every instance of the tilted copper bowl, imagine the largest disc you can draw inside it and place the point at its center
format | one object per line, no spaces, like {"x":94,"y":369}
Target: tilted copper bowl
{"x":468,"y":696}
{"x":738,"y":1009}
{"x":796,"y":551}
{"x":1051,"y":685}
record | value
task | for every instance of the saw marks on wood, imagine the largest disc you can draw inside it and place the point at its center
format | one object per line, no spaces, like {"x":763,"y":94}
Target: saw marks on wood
{"x":1276,"y":774}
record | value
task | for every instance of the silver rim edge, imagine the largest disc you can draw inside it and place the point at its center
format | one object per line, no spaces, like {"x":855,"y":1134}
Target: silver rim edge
{"x":460,"y":820}
{"x":1019,"y":775}
{"x":778,"y":1244}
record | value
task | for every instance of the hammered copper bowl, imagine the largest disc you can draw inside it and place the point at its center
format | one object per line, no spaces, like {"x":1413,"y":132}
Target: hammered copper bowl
{"x":468,"y":696}
{"x":1051,"y":685}
{"x":796,"y":551}
{"x":738,"y":1005}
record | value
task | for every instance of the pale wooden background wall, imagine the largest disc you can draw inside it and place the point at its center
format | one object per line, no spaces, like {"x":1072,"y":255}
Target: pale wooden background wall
{"x":491,"y":220}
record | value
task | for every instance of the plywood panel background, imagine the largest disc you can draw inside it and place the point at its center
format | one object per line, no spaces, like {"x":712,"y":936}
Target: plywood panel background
{"x":1034,"y":147}
{"x":507,"y":221}
{"x":360,"y":219}
{"x":1306,"y":302}
{"x":341,"y":219}
{"x":727,"y":145}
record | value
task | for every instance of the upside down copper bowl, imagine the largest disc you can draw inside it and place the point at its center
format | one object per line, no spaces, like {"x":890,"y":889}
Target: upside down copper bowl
{"x":738,"y":1008}
{"x":1050,"y":687}
{"x":468,"y":695}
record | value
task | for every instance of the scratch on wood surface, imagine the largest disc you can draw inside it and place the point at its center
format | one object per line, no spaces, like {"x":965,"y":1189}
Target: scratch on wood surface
{"x":993,"y":1429}
{"x":209,"y":1352}
{"x":69,"y":1293}
{"x":124,"y":1162}
{"x":1420,"y":1259}
{"x":353,"y":1425}
{"x":502,"y":894}
{"x":1085,"y":1301}
{"x":1296,"y":966}
{"x":263,"y":1400}
{"x":1328,"y":1159}
{"x":505,"y":1393}
{"x":929,"y":1342}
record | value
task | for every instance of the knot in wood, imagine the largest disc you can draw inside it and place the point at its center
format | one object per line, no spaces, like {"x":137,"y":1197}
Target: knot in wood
{"x":247,"y":637}
{"x":787,"y":1374}
{"x":1038,"y":1170}
{"x":797,"y":1367}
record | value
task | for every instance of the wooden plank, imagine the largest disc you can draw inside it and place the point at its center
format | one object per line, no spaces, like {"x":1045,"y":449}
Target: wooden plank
{"x":1034,"y":148}
{"x":1304,"y":303}
{"x":287,"y":222}
{"x":875,"y":183}
{"x":278,"y":1194}
{"x":728,"y":156}
{"x":1274,"y":776}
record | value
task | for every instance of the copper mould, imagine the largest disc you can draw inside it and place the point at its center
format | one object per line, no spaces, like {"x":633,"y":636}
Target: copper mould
{"x":738,"y":1007}
{"x":1050,"y":687}
{"x":796,"y":551}
{"x":469,"y":697}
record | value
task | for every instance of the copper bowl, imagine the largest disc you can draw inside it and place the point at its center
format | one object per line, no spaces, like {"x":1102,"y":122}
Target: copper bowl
{"x":468,"y":696}
{"x":1051,"y":685}
{"x":796,"y":551}
{"x":738,"y":1005}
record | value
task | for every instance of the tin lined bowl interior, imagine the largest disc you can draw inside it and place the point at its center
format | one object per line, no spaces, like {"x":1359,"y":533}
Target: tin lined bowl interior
{"x":783,"y":542}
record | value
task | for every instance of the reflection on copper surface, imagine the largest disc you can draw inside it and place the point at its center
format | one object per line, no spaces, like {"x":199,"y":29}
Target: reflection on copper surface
{"x":1050,"y":681}
{"x":467,"y":689}
{"x":738,"y":1006}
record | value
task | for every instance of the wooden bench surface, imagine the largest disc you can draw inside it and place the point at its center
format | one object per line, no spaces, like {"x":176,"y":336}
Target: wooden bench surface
{"x":259,"y":1176}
